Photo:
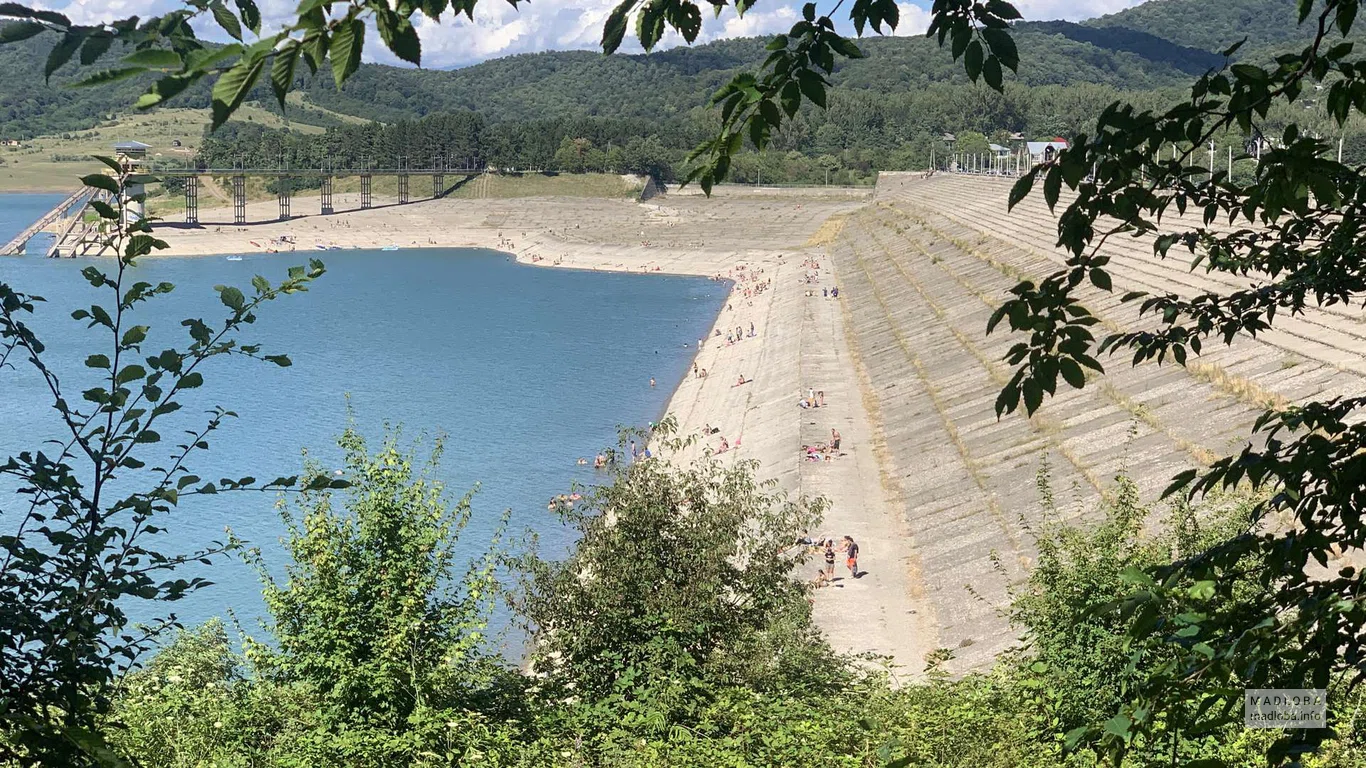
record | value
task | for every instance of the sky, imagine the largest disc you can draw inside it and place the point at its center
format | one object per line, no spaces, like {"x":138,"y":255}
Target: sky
{"x":540,"y":25}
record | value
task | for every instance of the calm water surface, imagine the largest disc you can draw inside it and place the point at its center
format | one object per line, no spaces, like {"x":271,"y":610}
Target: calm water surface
{"x":524,"y":369}
{"x":18,"y":211}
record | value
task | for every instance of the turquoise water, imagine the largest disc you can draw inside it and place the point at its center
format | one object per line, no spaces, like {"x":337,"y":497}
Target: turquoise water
{"x":524,"y":369}
{"x":19,"y":211}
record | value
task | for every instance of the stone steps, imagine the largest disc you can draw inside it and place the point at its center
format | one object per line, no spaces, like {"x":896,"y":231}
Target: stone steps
{"x":920,"y":274}
{"x":1329,"y":334}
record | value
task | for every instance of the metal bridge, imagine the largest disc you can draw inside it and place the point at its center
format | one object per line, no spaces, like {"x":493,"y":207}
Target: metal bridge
{"x":74,"y":203}
{"x":73,"y":206}
{"x":323,"y":175}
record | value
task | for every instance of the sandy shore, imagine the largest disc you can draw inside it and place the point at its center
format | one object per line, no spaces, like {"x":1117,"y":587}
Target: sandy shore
{"x":799,"y":344}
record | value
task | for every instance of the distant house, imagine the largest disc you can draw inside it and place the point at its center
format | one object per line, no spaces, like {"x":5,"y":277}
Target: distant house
{"x":132,"y":148}
{"x":10,"y":143}
{"x":1045,"y":151}
{"x":999,"y":151}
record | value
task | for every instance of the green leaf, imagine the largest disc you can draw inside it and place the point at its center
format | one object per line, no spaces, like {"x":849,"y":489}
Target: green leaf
{"x":812,"y":86}
{"x":1179,"y":482}
{"x":1003,"y":47}
{"x":130,"y":373}
{"x":226,"y":19}
{"x":972,"y":60}
{"x":1052,"y":186}
{"x":1020,"y":190}
{"x":650,"y":23}
{"x":1033,"y":395}
{"x":109,"y":76}
{"x":15,"y":31}
{"x":94,"y":47}
{"x":232,"y":298}
{"x":135,"y":335}
{"x":992,"y":74}
{"x":433,"y":9}
{"x":101,"y":181}
{"x":158,"y":58}
{"x":400,"y":36}
{"x":1119,"y":725}
{"x":1101,"y":279}
{"x":251,"y":15}
{"x":282,"y":72}
{"x":845,"y":47}
{"x":615,"y":29}
{"x":165,"y":88}
{"x":345,"y":50}
{"x":1072,"y":373}
{"x":61,"y":52}
{"x":232,"y":88}
{"x":97,"y":361}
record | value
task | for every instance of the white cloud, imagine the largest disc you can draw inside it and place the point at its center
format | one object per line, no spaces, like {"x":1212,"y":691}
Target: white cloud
{"x":499,"y":29}
{"x":1071,"y":10}
{"x":913,"y":20}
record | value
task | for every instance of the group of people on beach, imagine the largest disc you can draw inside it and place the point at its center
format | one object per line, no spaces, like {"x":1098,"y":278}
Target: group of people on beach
{"x":824,"y":451}
{"x":813,"y":399}
{"x":829,"y":548}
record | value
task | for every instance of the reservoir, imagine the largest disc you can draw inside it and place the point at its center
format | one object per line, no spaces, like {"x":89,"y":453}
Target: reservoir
{"x":522,"y":369}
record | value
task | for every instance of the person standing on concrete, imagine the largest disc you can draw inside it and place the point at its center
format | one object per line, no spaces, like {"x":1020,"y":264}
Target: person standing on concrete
{"x":829,"y":559}
{"x":851,"y":556}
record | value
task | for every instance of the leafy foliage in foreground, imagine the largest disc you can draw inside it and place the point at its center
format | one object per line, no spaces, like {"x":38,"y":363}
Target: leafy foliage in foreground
{"x":683,"y":675}
{"x":78,"y":543}
{"x":1277,"y":243}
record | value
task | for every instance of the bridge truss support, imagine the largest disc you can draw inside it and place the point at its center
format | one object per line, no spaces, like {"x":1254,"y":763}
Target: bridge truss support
{"x":239,"y":199}
{"x":326,"y":195}
{"x":365,"y":199}
{"x":284,"y":193}
{"x":403,"y":188}
{"x":192,"y":200}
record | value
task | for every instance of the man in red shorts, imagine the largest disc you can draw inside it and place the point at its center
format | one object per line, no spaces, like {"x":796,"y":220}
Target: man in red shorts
{"x":851,"y":556}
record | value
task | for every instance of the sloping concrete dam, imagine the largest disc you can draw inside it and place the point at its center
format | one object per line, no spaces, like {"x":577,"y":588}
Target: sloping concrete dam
{"x":920,"y":272}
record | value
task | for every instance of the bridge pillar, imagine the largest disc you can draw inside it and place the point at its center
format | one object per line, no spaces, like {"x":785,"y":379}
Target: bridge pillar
{"x":239,"y":199}
{"x":192,"y":200}
{"x":365,"y":191}
{"x":284,"y":194}
{"x":438,"y":185}
{"x":326,"y":195}
{"x":403,"y":188}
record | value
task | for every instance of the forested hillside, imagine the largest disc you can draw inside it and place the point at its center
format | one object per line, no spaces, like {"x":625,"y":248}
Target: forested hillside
{"x":1126,"y":51}
{"x":1212,"y":26}
{"x":579,"y":110}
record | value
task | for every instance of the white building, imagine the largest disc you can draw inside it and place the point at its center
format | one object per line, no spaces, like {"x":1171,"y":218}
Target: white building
{"x":1045,"y":151}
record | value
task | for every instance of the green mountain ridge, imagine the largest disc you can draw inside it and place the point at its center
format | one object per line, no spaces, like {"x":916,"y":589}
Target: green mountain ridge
{"x":1159,"y":44}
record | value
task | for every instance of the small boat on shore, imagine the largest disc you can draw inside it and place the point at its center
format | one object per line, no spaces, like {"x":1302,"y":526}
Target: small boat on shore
{"x":389,"y":248}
